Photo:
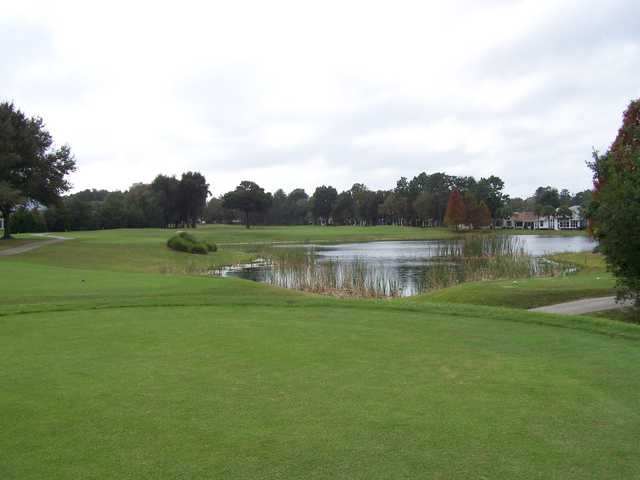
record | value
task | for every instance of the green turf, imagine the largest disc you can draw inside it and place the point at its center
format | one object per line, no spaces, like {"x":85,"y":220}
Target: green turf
{"x":145,"y":250}
{"x":18,"y":241}
{"x":118,"y":374}
{"x":591,"y":280}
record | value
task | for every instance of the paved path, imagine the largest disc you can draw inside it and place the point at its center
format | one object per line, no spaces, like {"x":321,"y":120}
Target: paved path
{"x":51,"y":239}
{"x":587,"y":305}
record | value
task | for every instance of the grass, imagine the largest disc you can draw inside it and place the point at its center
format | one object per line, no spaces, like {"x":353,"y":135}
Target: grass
{"x":144,"y":250}
{"x":17,"y":241}
{"x":109,"y":373}
{"x":626,"y":314}
{"x":591,"y":281}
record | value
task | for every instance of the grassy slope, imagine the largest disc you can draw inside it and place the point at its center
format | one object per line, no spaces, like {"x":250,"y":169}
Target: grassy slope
{"x":144,"y":250}
{"x":137,"y":375}
{"x":591,"y":281}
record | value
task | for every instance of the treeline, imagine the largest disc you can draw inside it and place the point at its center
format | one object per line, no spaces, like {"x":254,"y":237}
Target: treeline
{"x":182,"y":202}
{"x":421,"y":201}
{"x":165,"y":202}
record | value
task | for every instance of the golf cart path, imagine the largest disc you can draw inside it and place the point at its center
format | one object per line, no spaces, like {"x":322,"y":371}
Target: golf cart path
{"x":586,"y":305}
{"x":51,"y":239}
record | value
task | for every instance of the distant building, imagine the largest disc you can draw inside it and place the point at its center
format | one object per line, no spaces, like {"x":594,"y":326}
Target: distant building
{"x":533,"y":221}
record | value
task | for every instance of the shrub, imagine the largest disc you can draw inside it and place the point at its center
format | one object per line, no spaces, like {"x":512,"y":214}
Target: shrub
{"x":185,"y":242}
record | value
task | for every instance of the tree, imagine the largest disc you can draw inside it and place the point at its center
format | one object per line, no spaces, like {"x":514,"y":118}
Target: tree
{"x":564,"y":212}
{"x":424,"y":207}
{"x":344,"y":210}
{"x":546,"y":196}
{"x":193,"y":191}
{"x":456,"y":214}
{"x":166,"y":190}
{"x":489,"y":191}
{"x":297,"y":207}
{"x":614,"y":211}
{"x":248,"y":197}
{"x":322,"y":203}
{"x":31,"y":170}
{"x":565,"y":197}
{"x":277,"y":214}
{"x":476,"y":212}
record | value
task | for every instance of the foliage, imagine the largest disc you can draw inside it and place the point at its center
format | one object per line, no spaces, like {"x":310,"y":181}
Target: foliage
{"x":322,"y":202}
{"x":193,"y":191}
{"x":185,"y":242}
{"x":615,"y":208}
{"x":27,"y":220}
{"x":31,"y":170}
{"x":248,"y":197}
{"x":456,"y":213}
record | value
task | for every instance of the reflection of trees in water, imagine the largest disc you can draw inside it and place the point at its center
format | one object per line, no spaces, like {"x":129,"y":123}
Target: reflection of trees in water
{"x":438,"y":265}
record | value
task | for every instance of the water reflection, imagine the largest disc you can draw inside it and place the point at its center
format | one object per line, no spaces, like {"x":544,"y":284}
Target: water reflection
{"x":393,"y":268}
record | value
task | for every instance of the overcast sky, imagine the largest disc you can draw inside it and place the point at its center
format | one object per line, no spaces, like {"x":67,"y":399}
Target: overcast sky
{"x":298,"y":94}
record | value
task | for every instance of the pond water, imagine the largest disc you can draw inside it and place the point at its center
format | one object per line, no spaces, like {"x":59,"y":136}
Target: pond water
{"x":401,"y":267}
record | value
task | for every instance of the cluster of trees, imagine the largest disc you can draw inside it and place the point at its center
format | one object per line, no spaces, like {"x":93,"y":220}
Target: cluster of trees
{"x":614,"y":212}
{"x":466,"y":210}
{"x":171,"y":202}
{"x":548,"y":201}
{"x":33,"y":175}
{"x":165,"y":202}
{"x":31,"y":170}
{"x":421,"y":201}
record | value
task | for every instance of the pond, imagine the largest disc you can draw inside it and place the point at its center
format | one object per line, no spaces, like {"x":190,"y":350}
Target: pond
{"x":401,"y":268}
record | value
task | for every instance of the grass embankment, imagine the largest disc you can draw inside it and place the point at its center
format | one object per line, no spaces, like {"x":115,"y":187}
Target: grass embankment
{"x":591,"y":280}
{"x":144,"y":250}
{"x":111,"y":374}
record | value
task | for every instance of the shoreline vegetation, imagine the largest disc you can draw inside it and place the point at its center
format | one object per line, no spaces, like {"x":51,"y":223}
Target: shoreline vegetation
{"x":473,"y":258}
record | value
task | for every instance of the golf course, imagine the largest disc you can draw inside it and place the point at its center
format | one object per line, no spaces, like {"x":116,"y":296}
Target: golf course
{"x":121,"y":359}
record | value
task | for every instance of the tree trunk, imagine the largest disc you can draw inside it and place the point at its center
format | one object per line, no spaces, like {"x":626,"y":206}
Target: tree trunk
{"x":7,"y":230}
{"x":246,"y":218}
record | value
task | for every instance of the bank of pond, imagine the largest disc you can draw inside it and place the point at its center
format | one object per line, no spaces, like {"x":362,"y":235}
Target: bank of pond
{"x":403,"y":268}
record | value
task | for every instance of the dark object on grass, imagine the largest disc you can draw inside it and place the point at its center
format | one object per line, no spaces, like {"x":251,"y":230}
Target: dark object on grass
{"x":185,"y":242}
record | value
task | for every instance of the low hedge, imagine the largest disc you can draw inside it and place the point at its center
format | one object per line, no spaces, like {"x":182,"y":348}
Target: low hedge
{"x":185,"y":242}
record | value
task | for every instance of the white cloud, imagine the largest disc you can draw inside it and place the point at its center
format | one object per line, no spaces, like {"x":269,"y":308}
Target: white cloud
{"x":292,"y":93}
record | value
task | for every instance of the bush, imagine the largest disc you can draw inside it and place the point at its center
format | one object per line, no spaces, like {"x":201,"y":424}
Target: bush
{"x":185,"y":242}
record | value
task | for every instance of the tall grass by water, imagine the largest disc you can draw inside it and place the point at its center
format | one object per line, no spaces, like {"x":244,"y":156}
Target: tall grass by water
{"x":486,"y":257}
{"x":473,"y":258}
{"x":301,"y":270}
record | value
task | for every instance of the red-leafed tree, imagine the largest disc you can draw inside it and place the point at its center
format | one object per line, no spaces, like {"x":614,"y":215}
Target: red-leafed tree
{"x":456,"y":212}
{"x":614,"y":213}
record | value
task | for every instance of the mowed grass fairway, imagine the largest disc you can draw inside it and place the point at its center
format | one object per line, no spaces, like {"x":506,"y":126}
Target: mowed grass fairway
{"x":112,"y":371}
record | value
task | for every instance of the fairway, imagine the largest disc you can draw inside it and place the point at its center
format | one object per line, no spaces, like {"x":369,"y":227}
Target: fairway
{"x":114,"y":369}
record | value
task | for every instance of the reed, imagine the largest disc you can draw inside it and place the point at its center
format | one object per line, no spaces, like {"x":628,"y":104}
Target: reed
{"x":473,"y":258}
{"x":487,"y":257}
{"x":301,"y":270}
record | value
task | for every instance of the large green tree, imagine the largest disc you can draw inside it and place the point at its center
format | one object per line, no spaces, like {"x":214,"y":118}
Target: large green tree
{"x":322,"y":203}
{"x":193,"y":191}
{"x":31,"y":170}
{"x":167,"y":191}
{"x":615,"y":208}
{"x":248,"y":197}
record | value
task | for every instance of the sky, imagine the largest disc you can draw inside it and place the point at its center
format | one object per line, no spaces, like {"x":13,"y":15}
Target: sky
{"x":299,"y":94}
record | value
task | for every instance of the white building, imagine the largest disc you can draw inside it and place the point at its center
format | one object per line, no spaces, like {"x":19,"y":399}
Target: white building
{"x":530,"y":220}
